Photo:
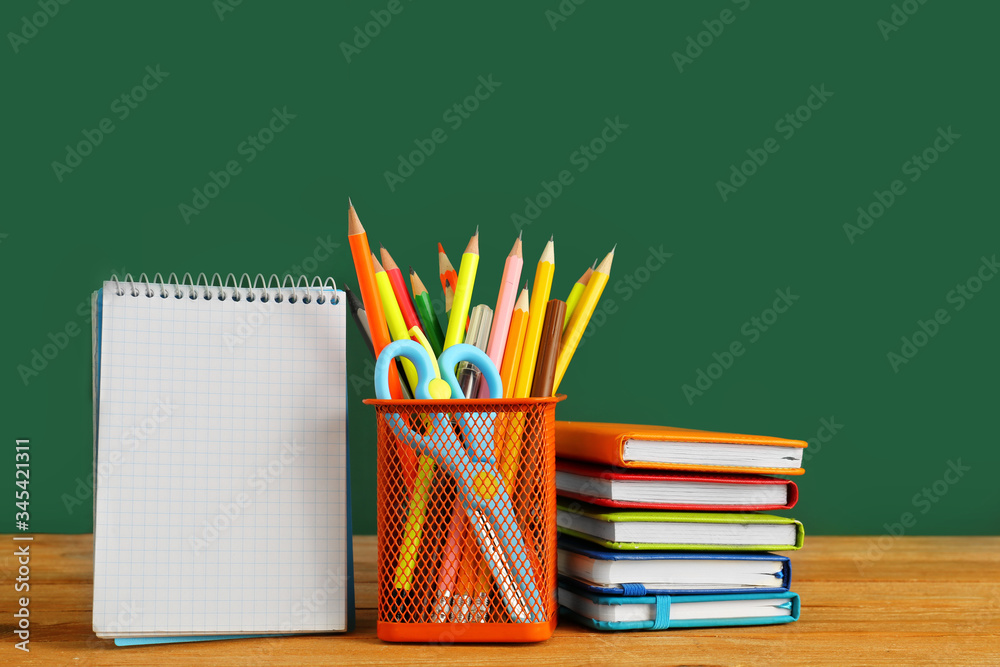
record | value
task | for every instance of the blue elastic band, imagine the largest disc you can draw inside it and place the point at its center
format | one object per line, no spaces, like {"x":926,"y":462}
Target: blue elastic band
{"x":662,"y":620}
{"x":635,"y":590}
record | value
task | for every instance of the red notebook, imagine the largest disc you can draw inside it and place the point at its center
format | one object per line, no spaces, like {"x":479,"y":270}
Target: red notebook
{"x":673,"y":490}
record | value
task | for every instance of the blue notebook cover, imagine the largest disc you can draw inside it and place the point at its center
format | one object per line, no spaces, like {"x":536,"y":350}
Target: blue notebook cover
{"x":664,"y":604}
{"x":598,"y":552}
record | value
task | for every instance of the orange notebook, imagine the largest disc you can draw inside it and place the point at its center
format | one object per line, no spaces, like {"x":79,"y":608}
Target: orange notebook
{"x":670,"y":448}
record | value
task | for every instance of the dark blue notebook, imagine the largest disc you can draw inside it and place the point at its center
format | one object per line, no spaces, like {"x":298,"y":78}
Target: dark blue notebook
{"x":575,"y":555}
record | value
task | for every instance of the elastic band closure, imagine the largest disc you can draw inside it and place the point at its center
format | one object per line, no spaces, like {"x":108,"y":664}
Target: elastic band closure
{"x":662,"y":620}
{"x":634,"y":590}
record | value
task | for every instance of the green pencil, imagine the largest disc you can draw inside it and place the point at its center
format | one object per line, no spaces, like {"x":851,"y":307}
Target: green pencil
{"x":422,"y":300}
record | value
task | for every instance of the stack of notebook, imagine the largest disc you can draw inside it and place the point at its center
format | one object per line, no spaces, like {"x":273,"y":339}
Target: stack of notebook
{"x":666,"y":527}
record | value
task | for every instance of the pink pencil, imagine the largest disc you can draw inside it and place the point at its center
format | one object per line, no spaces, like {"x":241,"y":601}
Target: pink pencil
{"x":505,"y":308}
{"x":450,"y":563}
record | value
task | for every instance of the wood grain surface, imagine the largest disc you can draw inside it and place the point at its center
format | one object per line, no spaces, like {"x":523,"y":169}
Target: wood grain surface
{"x":908,"y":600}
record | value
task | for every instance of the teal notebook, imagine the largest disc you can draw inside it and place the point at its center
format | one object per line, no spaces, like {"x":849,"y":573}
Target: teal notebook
{"x":663,"y":612}
{"x":221,"y":468}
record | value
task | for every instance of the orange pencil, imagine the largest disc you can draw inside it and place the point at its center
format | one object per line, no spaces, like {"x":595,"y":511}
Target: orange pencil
{"x":509,"y":446}
{"x":515,"y":343}
{"x":362,"y":254}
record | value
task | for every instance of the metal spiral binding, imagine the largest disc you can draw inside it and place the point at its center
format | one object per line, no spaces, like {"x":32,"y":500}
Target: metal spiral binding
{"x":244,"y":289}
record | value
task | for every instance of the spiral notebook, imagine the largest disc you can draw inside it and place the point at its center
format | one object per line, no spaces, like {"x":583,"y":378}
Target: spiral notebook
{"x":221,"y":464}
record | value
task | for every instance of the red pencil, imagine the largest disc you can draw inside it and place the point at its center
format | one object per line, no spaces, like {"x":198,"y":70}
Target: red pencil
{"x":449,"y":277}
{"x":410,"y":316}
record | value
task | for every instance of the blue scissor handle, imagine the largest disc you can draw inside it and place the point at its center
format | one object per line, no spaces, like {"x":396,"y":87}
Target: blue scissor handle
{"x":451,"y":357}
{"x":420,"y":359}
{"x":447,"y":362}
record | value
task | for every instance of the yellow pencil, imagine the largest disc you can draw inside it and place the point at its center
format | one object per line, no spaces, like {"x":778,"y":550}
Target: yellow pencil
{"x":463,"y":293}
{"x":417,"y":512}
{"x":576,"y":293}
{"x":394,"y":317}
{"x":536,"y":317}
{"x":581,"y":316}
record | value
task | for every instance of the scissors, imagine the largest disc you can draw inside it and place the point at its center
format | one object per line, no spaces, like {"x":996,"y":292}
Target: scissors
{"x":471,"y":463}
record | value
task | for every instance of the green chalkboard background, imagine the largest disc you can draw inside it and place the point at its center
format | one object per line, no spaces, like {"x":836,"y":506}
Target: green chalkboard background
{"x":887,"y":92}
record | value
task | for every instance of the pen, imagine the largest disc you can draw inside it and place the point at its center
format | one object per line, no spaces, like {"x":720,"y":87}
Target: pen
{"x":479,"y":332}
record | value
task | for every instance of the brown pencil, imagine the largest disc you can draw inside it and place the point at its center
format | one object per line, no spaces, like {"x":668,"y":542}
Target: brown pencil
{"x":548,"y":349}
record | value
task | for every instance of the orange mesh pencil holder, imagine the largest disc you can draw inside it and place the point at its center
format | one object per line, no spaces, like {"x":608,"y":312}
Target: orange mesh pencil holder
{"x":467,"y":557}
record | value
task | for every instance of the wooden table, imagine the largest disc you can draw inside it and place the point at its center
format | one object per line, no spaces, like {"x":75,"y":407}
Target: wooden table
{"x":911,"y":600}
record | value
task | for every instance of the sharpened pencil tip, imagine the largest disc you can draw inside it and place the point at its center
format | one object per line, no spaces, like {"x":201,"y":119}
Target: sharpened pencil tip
{"x":440,"y":248}
{"x":349,"y":204}
{"x":613,"y":249}
{"x":552,"y":238}
{"x":412,"y":271}
{"x":477,"y":230}
{"x":520,"y":234}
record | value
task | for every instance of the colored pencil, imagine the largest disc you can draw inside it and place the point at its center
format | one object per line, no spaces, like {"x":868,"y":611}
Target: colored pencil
{"x":504,"y":309}
{"x":394,"y":317}
{"x":451,"y":561}
{"x":425,"y":309}
{"x":360,"y":318}
{"x":417,"y":511}
{"x":536,"y":317}
{"x":548,"y":349}
{"x":361,"y":253}
{"x":576,"y":292}
{"x":463,"y":293}
{"x":399,"y":289}
{"x":509,"y":449}
{"x":449,"y":279}
{"x":515,"y":343}
{"x":581,"y":316}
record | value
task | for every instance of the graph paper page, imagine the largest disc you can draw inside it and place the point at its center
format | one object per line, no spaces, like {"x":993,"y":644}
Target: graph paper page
{"x":221,"y":467}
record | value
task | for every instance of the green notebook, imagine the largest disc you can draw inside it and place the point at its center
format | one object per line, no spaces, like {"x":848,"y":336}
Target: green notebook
{"x":698,"y":531}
